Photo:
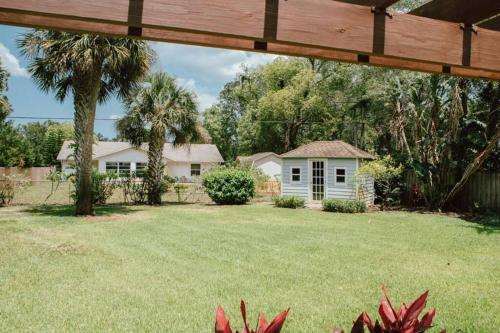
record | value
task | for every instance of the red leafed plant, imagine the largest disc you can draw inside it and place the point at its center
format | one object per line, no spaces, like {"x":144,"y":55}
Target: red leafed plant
{"x":403,"y":321}
{"x":222,"y":324}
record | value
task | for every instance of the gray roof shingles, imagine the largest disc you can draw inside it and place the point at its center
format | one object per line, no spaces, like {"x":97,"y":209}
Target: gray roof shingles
{"x":203,"y":153}
{"x":327,"y":149}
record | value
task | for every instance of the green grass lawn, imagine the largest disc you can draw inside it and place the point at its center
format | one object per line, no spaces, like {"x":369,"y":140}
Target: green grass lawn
{"x":165,"y":269}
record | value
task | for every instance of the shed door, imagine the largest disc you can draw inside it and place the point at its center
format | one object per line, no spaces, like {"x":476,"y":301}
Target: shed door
{"x":318,"y":180}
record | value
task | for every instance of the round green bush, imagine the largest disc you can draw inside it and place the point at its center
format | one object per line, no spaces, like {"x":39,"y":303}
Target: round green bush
{"x":229,"y":186}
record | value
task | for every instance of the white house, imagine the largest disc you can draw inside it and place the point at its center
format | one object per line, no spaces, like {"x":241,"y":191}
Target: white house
{"x":325,"y":169}
{"x":185,"y":162}
{"x":269,"y":163}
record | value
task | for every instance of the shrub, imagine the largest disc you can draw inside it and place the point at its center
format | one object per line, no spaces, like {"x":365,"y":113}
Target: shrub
{"x":403,"y":321}
{"x":181,"y":189}
{"x":222,"y":324}
{"x":387,"y":175}
{"x":289,"y":202}
{"x":9,"y":185}
{"x":135,"y":189}
{"x":344,"y":206}
{"x":103,"y":186}
{"x":229,"y":186}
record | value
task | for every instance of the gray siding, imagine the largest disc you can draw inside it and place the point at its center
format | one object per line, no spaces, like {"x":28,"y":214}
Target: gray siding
{"x":345,"y":191}
{"x":297,"y":189}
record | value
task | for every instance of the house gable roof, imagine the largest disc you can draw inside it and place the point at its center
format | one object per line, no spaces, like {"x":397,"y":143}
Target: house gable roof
{"x":255,"y":157}
{"x":327,"y":149}
{"x":194,"y":153}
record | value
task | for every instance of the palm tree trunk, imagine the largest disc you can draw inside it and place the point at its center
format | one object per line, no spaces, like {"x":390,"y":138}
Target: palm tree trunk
{"x":155,"y":172}
{"x":85,"y":103}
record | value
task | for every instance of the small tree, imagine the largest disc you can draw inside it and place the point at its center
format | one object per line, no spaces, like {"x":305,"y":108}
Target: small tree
{"x":386,"y":175}
{"x":157,"y":110}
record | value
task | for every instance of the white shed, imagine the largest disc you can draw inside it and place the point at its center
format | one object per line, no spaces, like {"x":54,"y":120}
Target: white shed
{"x":326,"y":169}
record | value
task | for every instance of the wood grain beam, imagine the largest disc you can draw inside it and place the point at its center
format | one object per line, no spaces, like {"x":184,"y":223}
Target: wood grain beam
{"x":326,"y":29}
{"x":460,"y":11}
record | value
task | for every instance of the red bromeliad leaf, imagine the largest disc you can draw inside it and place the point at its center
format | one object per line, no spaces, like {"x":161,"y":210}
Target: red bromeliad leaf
{"x":388,"y":300}
{"x":359,"y":325}
{"x":367,"y":320}
{"x":387,"y":314}
{"x":263,"y":324}
{"x":221,"y":322}
{"x":277,"y":323}
{"x":426,"y":321}
{"x":402,"y":311}
{"x":377,"y":328}
{"x":415,"y":308}
{"x":244,"y":316}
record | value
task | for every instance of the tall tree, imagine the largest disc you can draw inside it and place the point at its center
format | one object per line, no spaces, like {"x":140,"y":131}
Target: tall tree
{"x":5,"y":107}
{"x":14,"y":149}
{"x":92,"y":68}
{"x":158,"y":111}
{"x":279,"y":120}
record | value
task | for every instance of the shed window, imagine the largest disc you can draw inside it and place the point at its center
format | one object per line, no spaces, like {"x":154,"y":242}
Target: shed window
{"x":295,"y":174}
{"x":340,"y":176}
{"x":195,"y":170}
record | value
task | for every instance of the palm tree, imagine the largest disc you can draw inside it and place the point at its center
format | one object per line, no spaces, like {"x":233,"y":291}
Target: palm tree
{"x":157,"y":111}
{"x":91,"y":68}
{"x":5,"y":107}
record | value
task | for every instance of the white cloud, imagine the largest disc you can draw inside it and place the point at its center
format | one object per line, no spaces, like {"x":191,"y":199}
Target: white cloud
{"x":11,"y":63}
{"x":205,"y":70}
{"x":115,"y":116}
{"x":205,"y":100}
{"x":207,"y":63}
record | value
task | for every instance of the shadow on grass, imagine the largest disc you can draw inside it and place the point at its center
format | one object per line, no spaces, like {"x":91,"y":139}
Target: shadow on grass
{"x":485,"y":224}
{"x":69,"y":210}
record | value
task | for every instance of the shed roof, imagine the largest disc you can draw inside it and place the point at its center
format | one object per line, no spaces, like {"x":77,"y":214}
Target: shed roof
{"x":327,"y":149}
{"x":203,"y":153}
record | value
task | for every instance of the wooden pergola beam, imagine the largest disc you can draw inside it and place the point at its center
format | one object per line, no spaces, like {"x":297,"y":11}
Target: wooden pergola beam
{"x":316,"y":28}
{"x":460,"y":11}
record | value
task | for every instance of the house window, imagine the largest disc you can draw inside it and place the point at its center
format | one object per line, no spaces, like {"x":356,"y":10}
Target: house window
{"x":295,"y":175}
{"x":112,"y":167}
{"x":195,"y":170}
{"x":140,"y":169}
{"x":121,"y":168}
{"x":124,"y":168}
{"x":340,"y":176}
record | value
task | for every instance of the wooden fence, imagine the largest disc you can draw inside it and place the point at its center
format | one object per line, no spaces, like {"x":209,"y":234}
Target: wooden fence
{"x":33,"y":174}
{"x":269,"y":187}
{"x":481,"y":191}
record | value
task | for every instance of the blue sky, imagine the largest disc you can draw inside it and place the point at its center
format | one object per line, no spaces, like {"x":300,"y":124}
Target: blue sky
{"x":204,"y":70}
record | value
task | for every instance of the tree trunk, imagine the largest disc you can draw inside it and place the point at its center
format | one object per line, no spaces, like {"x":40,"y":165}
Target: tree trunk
{"x":473,"y":166}
{"x":156,"y":167}
{"x":85,"y":102}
